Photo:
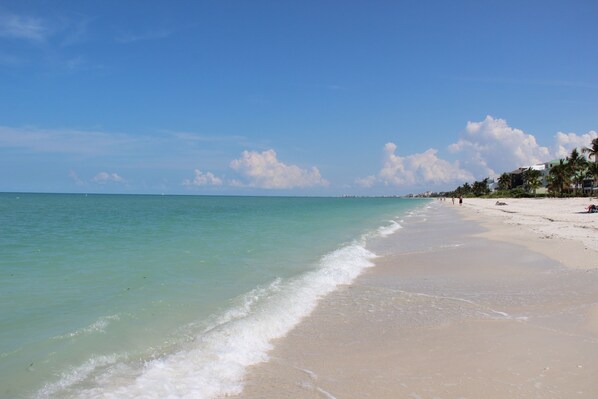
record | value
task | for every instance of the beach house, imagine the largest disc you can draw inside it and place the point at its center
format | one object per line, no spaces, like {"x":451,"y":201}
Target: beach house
{"x":518,"y":177}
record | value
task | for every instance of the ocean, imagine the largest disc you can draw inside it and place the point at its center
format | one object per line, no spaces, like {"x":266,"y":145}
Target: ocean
{"x":128,"y":296}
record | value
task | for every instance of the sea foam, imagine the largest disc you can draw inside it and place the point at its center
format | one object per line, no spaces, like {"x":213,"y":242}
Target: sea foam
{"x":216,"y":360}
{"x":385,"y":231}
{"x":98,"y":326}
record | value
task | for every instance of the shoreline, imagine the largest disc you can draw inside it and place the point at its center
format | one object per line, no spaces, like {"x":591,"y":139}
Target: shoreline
{"x":450,"y":310}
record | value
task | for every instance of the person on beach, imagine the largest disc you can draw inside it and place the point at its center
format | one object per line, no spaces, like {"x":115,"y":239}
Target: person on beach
{"x":460,"y":200}
{"x":453,"y":198}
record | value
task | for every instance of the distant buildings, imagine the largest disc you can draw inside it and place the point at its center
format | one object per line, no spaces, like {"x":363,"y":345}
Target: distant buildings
{"x":517,"y":177}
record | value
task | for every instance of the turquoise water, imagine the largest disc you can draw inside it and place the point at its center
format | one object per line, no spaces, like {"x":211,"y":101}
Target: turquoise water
{"x":123,"y":296}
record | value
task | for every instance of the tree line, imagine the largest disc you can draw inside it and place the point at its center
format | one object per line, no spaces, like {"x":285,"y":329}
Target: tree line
{"x":564,"y":179}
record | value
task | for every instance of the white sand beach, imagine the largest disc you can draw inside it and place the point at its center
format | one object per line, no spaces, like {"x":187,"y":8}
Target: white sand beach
{"x":559,"y":228}
{"x":477,"y":301}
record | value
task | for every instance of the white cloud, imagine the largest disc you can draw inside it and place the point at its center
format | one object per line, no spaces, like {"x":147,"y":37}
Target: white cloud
{"x":23,"y":27}
{"x":203,"y":179}
{"x":366,"y":182}
{"x":75,"y":177}
{"x":105,"y":177}
{"x":416,"y":169}
{"x":264,"y":170}
{"x":485,"y":149}
{"x":566,"y":142}
{"x":491,"y":147}
{"x":68,"y":30}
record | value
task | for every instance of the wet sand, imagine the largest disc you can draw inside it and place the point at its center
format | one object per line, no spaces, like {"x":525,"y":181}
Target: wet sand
{"x":446,"y":313}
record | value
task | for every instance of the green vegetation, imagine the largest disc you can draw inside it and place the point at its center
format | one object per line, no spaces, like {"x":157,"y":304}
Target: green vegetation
{"x":532,"y":180}
{"x":592,"y":152}
{"x":558,"y":179}
{"x":564,"y":179}
{"x":504,"y":182}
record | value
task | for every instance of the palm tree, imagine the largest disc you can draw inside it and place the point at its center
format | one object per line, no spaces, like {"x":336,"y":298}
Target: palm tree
{"x":466,"y":189}
{"x":504,"y":181}
{"x":532,"y":179}
{"x":577,"y":165}
{"x":558,"y":178}
{"x":480,"y":188}
{"x":593,"y":172}
{"x":592,"y":151}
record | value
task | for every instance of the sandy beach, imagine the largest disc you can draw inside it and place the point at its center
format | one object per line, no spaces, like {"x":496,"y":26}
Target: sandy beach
{"x":464,"y":302}
{"x":559,"y":228}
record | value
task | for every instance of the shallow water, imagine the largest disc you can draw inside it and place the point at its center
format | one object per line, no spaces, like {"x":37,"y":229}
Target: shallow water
{"x":110,"y":296}
{"x":444,"y":314}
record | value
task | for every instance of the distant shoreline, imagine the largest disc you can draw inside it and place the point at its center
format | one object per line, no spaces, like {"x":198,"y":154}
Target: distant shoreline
{"x":213,"y":195}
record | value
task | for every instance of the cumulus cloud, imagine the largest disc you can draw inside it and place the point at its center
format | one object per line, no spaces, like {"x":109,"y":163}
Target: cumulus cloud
{"x":491,"y":147}
{"x":264,"y":170}
{"x":105,"y":177}
{"x":566,"y":142}
{"x":415,"y":169}
{"x":203,"y":179}
{"x":485,"y":149}
{"x":366,"y":182}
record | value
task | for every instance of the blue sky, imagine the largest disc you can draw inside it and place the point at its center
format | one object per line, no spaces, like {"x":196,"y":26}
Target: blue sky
{"x":289,"y":97}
